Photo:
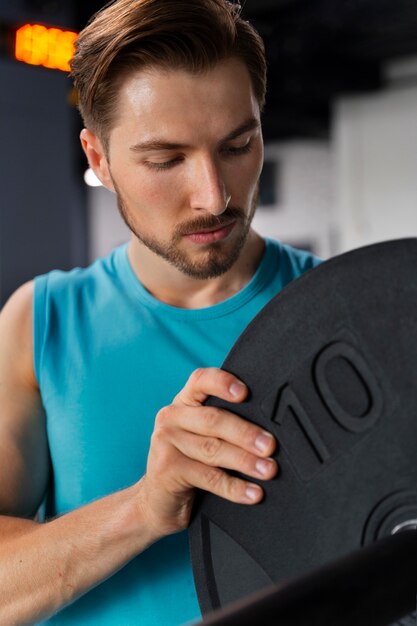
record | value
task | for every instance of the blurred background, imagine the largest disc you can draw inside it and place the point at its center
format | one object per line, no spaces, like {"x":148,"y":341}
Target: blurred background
{"x":340,"y":131}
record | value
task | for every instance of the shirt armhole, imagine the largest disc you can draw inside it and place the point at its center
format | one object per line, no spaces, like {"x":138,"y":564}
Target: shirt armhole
{"x":39,"y":323}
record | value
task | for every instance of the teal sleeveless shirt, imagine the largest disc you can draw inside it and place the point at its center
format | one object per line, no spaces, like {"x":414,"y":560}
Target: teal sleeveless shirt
{"x":108,"y":356}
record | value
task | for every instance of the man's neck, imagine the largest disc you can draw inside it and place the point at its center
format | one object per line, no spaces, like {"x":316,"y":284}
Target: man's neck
{"x":171,"y":286}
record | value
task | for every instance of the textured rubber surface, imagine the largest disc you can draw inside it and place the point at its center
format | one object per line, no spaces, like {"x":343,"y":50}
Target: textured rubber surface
{"x":331,"y":365}
{"x":369,"y":587}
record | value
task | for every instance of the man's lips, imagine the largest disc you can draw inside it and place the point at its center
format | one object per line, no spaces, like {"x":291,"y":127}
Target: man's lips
{"x":214,"y":234}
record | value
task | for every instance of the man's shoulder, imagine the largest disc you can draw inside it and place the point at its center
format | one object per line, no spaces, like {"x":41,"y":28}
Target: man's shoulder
{"x":99,"y":271}
{"x":293,"y":261}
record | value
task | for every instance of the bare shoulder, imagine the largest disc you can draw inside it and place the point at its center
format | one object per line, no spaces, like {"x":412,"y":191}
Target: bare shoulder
{"x":16,"y":336}
{"x":24,"y":460}
{"x":18,"y":307}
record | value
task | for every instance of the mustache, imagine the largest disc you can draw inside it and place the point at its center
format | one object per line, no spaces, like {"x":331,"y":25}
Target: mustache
{"x":210,"y":222}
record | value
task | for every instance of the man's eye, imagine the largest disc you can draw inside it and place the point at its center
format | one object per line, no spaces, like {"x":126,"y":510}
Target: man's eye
{"x":236,"y":150}
{"x":164,"y":165}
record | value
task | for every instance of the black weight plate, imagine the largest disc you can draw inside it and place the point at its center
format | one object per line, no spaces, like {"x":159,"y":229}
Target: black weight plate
{"x":373,"y":586}
{"x":331,"y":365}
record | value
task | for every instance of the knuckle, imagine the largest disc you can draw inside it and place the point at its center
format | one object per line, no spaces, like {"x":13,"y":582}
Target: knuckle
{"x":212,"y":372}
{"x":211,"y":447}
{"x":213,"y":477}
{"x":212,"y":418}
{"x":236,"y":487}
{"x":162,"y":433}
{"x":196,"y":375}
{"x":163,"y":417}
{"x":158,"y":437}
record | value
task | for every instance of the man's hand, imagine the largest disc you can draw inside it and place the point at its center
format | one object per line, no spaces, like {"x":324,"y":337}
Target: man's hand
{"x":192,"y":443}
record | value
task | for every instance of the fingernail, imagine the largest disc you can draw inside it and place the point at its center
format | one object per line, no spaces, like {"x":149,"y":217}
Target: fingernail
{"x":236,"y":389}
{"x":263,"y":441}
{"x":253,"y":492}
{"x":263,"y":466}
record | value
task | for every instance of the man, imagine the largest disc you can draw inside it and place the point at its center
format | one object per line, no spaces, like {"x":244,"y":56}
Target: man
{"x":104,"y":371}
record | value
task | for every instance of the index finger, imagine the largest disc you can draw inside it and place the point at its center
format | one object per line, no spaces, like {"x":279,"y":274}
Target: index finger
{"x":211,"y":427}
{"x":211,"y":381}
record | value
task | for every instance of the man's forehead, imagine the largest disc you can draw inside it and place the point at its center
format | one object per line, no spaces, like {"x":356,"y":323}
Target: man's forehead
{"x":159,"y":98}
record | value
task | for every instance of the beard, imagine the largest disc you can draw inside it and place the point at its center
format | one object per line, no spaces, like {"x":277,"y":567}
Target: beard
{"x":212,"y":261}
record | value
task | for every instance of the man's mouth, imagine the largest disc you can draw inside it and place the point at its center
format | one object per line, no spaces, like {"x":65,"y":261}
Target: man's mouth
{"x":211,"y":235}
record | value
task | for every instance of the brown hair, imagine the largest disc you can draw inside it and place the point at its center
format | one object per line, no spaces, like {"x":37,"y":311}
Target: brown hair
{"x":127,"y":35}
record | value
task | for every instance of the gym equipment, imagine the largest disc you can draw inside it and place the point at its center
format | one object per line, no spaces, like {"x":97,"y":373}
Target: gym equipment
{"x":370,"y":587}
{"x":331,"y":366}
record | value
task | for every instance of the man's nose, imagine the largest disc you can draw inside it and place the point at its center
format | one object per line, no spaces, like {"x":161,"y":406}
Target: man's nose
{"x":209,"y":189}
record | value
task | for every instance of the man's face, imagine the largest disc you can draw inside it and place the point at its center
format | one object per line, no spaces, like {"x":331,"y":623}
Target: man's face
{"x":185,"y":156}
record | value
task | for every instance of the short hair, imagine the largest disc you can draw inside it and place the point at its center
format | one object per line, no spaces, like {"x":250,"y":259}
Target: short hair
{"x":127,"y":35}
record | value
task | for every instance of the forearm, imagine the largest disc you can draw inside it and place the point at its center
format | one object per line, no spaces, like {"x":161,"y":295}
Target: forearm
{"x":44,"y":567}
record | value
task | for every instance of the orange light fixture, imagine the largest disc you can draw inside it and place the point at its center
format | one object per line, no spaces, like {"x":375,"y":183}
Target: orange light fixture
{"x":50,"y":47}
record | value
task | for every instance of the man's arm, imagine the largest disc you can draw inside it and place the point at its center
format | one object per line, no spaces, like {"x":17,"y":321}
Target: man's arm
{"x":45,"y":566}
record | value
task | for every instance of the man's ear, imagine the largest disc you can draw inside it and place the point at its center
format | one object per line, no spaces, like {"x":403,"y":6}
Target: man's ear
{"x":96,"y":156}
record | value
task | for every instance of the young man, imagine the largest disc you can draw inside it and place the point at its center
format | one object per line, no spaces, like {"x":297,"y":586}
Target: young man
{"x":104,"y":371}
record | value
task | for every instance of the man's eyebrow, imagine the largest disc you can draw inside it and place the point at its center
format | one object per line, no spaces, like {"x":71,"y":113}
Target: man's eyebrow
{"x":246,"y":127}
{"x":156,"y":144}
{"x":159,"y":144}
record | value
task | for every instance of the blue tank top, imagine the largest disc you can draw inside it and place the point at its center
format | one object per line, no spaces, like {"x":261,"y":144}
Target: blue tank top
{"x":108,"y":356}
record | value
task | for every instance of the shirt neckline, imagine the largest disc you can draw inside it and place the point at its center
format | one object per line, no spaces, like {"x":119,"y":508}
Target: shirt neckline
{"x":141,"y":295}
